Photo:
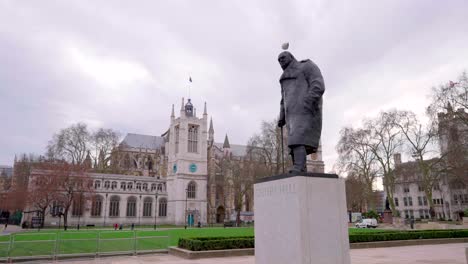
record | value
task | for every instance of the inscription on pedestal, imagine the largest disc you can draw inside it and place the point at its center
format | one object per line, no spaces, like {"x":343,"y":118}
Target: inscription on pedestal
{"x":275,"y":190}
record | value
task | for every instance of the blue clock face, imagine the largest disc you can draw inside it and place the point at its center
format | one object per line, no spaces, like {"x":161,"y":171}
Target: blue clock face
{"x":193,"y":168}
{"x":174,"y":168}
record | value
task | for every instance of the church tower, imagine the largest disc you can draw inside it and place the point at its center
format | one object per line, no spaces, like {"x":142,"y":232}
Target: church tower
{"x":187,"y":166}
{"x":315,"y":162}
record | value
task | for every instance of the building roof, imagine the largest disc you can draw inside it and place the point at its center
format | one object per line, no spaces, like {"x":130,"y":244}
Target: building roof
{"x":6,"y":170}
{"x":236,"y":150}
{"x":226,"y":142}
{"x":142,"y":141}
{"x":410,"y":171}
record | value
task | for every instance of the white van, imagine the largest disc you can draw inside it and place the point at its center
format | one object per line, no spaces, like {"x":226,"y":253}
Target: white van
{"x":367,"y":223}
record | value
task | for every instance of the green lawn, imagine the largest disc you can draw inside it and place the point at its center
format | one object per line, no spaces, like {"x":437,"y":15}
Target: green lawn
{"x":43,"y":243}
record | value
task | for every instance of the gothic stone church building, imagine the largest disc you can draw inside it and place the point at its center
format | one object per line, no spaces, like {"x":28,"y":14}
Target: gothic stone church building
{"x":171,"y":179}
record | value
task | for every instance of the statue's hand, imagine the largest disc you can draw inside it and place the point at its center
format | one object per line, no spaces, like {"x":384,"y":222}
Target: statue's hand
{"x":281,"y":123}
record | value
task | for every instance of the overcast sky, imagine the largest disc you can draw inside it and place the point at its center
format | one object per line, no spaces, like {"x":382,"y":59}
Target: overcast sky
{"x":122,"y":64}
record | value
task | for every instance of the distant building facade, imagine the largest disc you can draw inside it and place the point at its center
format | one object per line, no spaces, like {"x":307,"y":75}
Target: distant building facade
{"x":176,"y":178}
{"x":450,"y":193}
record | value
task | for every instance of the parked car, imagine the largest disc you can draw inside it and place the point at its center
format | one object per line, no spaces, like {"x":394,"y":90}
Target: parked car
{"x":367,"y":223}
{"x":229,"y":223}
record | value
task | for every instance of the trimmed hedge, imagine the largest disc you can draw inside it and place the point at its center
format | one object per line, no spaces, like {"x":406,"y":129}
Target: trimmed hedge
{"x":216,"y":243}
{"x":219,"y":243}
{"x":407,"y":235}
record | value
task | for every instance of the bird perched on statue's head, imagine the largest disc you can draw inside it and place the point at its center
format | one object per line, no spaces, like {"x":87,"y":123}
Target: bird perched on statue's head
{"x":285,"y":46}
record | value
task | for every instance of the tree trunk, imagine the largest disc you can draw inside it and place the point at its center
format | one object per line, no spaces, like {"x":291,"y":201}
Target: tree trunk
{"x":65,"y":220}
{"x":391,"y":201}
{"x":43,"y":217}
{"x":369,"y":197}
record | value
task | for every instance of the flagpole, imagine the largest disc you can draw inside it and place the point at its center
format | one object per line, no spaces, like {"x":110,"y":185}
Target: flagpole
{"x":190,"y":85}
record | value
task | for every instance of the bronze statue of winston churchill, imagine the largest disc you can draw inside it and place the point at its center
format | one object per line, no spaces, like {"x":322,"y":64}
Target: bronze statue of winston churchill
{"x":302,"y":87}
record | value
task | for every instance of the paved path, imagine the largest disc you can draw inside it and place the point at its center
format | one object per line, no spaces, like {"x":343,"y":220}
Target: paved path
{"x":432,"y":254}
{"x":10,"y":229}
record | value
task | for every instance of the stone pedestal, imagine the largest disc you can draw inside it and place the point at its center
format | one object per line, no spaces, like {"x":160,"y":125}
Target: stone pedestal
{"x":388,"y":217}
{"x":301,"y":219}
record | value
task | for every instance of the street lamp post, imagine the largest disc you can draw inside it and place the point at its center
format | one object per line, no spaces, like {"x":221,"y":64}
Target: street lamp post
{"x":80,"y":212}
{"x":155,"y":208}
{"x":139,"y":213}
{"x":105,"y":205}
{"x":186,"y":213}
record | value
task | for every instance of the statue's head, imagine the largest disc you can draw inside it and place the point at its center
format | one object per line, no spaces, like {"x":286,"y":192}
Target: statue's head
{"x":285,"y":58}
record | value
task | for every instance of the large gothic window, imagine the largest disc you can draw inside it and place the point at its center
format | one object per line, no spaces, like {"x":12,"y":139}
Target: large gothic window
{"x":96,"y":206}
{"x":162,"y":207}
{"x":150,"y":163}
{"x":127,"y":163}
{"x":191,"y":190}
{"x":114,"y":206}
{"x":55,"y":208}
{"x":131,"y":206}
{"x":78,"y":205}
{"x":176,"y":139}
{"x":193,"y":138}
{"x":147,"y":206}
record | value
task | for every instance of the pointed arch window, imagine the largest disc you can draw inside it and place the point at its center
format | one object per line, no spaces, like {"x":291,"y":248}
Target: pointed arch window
{"x":176,"y":128}
{"x":193,"y":138}
{"x":78,"y":202}
{"x":96,"y":206}
{"x":114,"y":206}
{"x":191,"y":190}
{"x":162,"y":207}
{"x":147,"y":206}
{"x":131,"y":207}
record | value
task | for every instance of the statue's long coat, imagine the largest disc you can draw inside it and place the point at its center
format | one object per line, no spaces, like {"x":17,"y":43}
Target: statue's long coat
{"x":302,"y":87}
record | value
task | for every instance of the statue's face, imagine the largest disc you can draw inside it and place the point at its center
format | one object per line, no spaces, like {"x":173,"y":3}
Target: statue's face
{"x":285,"y":59}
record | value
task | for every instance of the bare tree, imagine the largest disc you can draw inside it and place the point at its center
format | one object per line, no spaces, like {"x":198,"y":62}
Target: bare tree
{"x":242,"y":185}
{"x":103,"y":142}
{"x":419,"y":141}
{"x":357,"y":157}
{"x":448,"y":112}
{"x":267,"y":150}
{"x":355,"y":190}
{"x":74,"y":143}
{"x":70,"y":144}
{"x":42,"y":192}
{"x":386,"y":140}
{"x":73,"y":185}
{"x":449,"y":96}
{"x":16,"y":198}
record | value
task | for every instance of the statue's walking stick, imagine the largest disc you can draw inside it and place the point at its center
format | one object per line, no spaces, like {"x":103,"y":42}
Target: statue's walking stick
{"x":282,"y":149}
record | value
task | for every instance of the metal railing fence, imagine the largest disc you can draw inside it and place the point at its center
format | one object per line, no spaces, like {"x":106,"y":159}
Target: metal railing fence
{"x":39,"y":245}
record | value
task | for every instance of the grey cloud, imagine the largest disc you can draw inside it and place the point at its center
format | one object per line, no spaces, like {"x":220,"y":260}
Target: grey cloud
{"x":371,"y":53}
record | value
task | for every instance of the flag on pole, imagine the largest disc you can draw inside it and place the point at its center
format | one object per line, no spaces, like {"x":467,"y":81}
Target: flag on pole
{"x":190,"y":79}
